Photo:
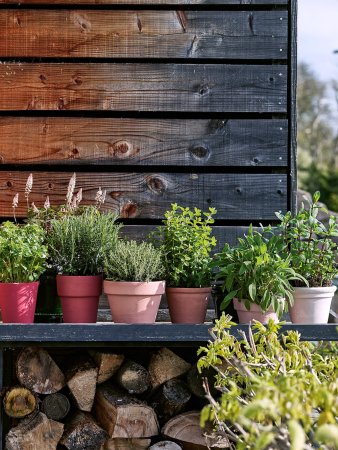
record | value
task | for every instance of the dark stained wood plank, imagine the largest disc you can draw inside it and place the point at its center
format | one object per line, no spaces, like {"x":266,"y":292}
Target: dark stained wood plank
{"x":293,"y":108}
{"x":223,"y":234}
{"x":149,"y":195}
{"x":98,"y":141}
{"x":145,"y":2}
{"x":157,"y":334}
{"x":144,"y":34}
{"x":143,"y":87}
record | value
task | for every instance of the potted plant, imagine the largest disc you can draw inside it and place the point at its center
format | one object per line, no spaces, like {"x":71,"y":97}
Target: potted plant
{"x":22,"y":260}
{"x":256,"y":277}
{"x":313,"y":255}
{"x":77,"y":244}
{"x":134,"y":283}
{"x":186,"y":239}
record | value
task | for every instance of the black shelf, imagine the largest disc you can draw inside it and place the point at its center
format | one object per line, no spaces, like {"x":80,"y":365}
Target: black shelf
{"x":110,"y":334}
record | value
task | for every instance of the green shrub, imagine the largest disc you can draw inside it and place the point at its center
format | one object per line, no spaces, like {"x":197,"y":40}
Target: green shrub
{"x":186,"y":239}
{"x":133,"y":261}
{"x":309,"y":244}
{"x":77,"y":243}
{"x":275,"y":392}
{"x":22,"y":252}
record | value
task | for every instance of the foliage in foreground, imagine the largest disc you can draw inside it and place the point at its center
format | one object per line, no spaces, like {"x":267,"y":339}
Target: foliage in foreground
{"x":276,"y":391}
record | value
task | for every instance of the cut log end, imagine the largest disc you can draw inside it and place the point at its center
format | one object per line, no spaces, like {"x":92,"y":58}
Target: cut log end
{"x":134,"y":378}
{"x":165,"y":365}
{"x":19,"y":402}
{"x":107,"y":363}
{"x":55,"y":406}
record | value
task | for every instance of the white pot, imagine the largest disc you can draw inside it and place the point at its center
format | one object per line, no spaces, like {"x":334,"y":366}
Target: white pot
{"x":311,"y":305}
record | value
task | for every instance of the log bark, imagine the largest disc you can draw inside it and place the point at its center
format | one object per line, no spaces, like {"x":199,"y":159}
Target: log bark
{"x":126,"y":444}
{"x":170,"y":399}
{"x":35,"y":432}
{"x":165,"y":365}
{"x":165,"y":445}
{"x":134,"y":378}
{"x":82,"y":432}
{"x":185,"y":428}
{"x":55,"y":406}
{"x":19,"y":402}
{"x":81,"y":378}
{"x":107,"y":363}
{"x":36,"y":370}
{"x":122,"y":415}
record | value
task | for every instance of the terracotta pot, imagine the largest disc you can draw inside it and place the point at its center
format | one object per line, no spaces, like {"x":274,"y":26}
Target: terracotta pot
{"x":311,"y":305}
{"x":134,"y":302}
{"x":254,"y":313}
{"x":188,"y":305}
{"x":18,"y":301}
{"x":79,"y":297}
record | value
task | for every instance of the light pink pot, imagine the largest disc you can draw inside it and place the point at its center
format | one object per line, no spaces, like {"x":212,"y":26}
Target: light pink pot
{"x":79,"y":297}
{"x":187,"y":305}
{"x":18,"y":302}
{"x":311,"y":305}
{"x":132,"y":301}
{"x":255,"y":313}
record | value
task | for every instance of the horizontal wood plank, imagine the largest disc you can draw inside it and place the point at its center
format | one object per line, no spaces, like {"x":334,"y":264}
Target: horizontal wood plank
{"x":98,"y":141}
{"x":144,"y":34}
{"x":143,"y":87}
{"x":149,"y":195}
{"x":158,"y":334}
{"x":144,"y":2}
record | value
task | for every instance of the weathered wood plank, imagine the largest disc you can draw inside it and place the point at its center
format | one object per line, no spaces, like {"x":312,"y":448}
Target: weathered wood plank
{"x":144,"y":2}
{"x":149,"y":195}
{"x":143,"y":87}
{"x":98,"y":141}
{"x":144,"y":34}
{"x":158,"y":334}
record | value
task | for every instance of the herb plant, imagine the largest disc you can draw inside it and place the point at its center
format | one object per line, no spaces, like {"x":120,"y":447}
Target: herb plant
{"x":133,"y":261}
{"x":186,"y":239}
{"x":255,"y":272}
{"x":309,"y":242}
{"x":276,"y":392}
{"x":22,"y":252}
{"x":77,"y":243}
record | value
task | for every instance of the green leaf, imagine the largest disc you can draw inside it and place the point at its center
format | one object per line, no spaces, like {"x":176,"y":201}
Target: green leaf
{"x":252,"y":291}
{"x":297,"y":435}
{"x":327,"y":434}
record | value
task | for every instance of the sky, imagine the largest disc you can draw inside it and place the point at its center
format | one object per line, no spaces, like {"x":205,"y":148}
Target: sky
{"x":318,"y":36}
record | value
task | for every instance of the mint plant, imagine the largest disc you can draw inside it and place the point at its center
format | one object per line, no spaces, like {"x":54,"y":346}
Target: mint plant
{"x":309,"y":243}
{"x":22,"y":252}
{"x":77,"y":243}
{"x":255,"y":272}
{"x":275,"y":392}
{"x":133,"y":261}
{"x":186,"y":240}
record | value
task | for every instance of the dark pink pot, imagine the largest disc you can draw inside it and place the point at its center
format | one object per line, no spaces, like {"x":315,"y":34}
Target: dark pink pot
{"x":187,"y":305}
{"x":18,"y":302}
{"x":79,"y":297}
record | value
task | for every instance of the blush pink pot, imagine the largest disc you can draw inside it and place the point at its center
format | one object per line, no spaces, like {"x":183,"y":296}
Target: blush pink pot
{"x":187,"y":305}
{"x":132,"y":301}
{"x":79,"y":297}
{"x":18,"y":301}
{"x":255,"y":313}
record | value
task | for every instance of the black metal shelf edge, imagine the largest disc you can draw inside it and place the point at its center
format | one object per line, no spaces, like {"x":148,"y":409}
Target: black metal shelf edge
{"x":13,"y":335}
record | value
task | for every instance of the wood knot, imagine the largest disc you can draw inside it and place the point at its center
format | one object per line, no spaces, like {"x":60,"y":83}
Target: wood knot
{"x":50,"y":185}
{"x":115,"y":194}
{"x":203,"y":90}
{"x":200,"y":152}
{"x":43,"y":78}
{"x":61,"y":104}
{"x":129,"y":210}
{"x":82,"y":22}
{"x":280,"y":192}
{"x":255,"y":161}
{"x":9,"y":184}
{"x":239,"y":190}
{"x":122,"y":149}
{"x":78,"y":81}
{"x":156,"y":184}
{"x":2,"y":160}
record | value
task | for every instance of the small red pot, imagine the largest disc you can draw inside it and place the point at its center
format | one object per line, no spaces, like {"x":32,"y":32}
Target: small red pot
{"x":79,"y":297}
{"x":187,"y":305}
{"x":18,"y":301}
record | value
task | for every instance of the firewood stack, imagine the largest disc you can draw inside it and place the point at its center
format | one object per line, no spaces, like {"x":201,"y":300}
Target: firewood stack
{"x":104,"y":401}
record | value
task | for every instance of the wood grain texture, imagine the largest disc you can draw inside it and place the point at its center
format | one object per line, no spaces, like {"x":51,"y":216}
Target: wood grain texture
{"x":144,"y":34}
{"x":143,"y":87}
{"x":145,"y":2}
{"x":146,"y":142}
{"x":149,"y":195}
